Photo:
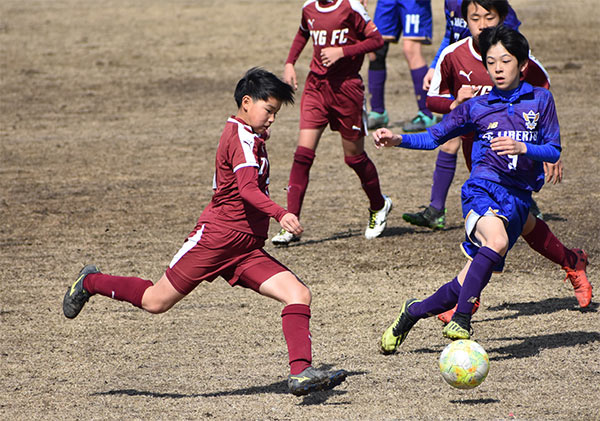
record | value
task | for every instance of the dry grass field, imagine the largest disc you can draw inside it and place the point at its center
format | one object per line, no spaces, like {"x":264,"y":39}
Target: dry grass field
{"x":110,"y":112}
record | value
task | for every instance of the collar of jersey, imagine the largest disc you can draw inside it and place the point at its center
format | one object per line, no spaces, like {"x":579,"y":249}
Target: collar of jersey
{"x":237,"y":120}
{"x":474,"y":49}
{"x":495,"y":94}
{"x":325,"y":9}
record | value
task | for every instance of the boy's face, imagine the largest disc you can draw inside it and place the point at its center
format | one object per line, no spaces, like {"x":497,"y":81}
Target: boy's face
{"x":503,"y":67}
{"x":479,"y":18}
{"x":259,"y":114}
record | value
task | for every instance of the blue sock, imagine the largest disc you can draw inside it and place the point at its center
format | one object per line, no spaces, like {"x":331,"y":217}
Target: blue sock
{"x":477,"y":278}
{"x":417,"y":77}
{"x":377,"y":89}
{"x":440,"y":301}
{"x":445,"y":167}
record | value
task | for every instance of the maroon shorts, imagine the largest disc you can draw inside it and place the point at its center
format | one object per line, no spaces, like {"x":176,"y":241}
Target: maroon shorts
{"x":339,"y":103}
{"x":212,"y":251}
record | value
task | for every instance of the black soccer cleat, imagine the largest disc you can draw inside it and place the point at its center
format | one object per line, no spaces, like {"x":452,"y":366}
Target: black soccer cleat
{"x":76,"y":295}
{"x":313,"y":380}
{"x":429,"y":217}
{"x":459,"y":327}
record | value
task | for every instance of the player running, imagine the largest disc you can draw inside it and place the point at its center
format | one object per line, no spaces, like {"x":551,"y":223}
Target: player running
{"x":413,"y":20}
{"x":516,"y":131}
{"x":229,"y":237}
{"x":460,"y":76}
{"x":341,"y":32}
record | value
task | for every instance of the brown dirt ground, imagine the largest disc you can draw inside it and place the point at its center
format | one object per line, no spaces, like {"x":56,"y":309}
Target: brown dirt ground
{"x":109,"y":117}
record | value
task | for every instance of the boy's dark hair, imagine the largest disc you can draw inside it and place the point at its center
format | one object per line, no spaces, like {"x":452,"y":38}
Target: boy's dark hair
{"x":260,"y":84}
{"x":514,"y":42}
{"x":501,"y":6}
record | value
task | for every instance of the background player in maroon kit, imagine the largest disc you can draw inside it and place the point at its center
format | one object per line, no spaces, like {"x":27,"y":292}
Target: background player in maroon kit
{"x":341,"y":33}
{"x":228,"y":238}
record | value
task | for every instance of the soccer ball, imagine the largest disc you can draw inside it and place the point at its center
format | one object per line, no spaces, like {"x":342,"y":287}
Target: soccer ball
{"x":464,"y":364}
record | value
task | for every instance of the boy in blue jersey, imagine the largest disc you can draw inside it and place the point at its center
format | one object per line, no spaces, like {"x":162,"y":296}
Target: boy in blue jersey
{"x":516,"y":131}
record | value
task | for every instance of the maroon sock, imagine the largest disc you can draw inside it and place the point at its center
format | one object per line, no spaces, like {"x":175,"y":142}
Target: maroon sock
{"x":366,"y":171}
{"x":120,"y":288}
{"x":295,"y":320}
{"x":303,"y":160}
{"x":542,"y":240}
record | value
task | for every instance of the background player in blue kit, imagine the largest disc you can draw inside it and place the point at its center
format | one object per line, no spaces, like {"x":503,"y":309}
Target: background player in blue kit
{"x":412,"y":20}
{"x":516,"y":131}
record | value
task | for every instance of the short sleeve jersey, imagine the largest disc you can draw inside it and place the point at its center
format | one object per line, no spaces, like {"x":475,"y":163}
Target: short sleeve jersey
{"x":461,"y":65}
{"x":529,"y":116}
{"x":338,"y":23}
{"x":239,"y":147}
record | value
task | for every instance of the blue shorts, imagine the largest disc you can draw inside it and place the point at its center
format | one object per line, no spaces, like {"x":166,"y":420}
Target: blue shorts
{"x":482,"y":197}
{"x":410,"y":18}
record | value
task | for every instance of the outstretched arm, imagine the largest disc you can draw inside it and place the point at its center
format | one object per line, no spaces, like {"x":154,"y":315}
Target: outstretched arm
{"x":385,"y":138}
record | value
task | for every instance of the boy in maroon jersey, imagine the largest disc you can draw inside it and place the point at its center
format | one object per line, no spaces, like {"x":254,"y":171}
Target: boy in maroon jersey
{"x":341,"y":32}
{"x":229,"y":237}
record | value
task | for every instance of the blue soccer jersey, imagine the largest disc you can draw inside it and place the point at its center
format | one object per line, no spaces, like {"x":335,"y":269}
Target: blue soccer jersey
{"x":526,"y":114}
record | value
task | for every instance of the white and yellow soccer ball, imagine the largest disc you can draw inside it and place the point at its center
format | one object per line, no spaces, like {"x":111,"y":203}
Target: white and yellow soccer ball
{"x":464,"y":364}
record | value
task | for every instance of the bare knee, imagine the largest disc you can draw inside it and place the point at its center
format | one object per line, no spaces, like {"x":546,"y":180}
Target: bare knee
{"x":156,"y":306}
{"x":301,"y":296}
{"x":160,"y":297}
{"x":499,"y":244}
{"x":412,"y":53}
{"x":298,"y":295}
{"x":529,"y":224}
{"x":451,"y":147}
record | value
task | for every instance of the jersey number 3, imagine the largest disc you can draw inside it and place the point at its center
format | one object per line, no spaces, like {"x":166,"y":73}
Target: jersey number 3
{"x":512,"y":165}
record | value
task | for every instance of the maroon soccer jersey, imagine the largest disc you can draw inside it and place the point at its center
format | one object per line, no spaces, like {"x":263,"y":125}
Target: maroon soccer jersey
{"x":459,"y":65}
{"x":337,"y":23}
{"x":241,"y":151}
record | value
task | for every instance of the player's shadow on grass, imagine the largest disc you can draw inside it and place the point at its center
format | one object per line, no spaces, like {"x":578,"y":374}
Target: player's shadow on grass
{"x":547,"y":306}
{"x":475,"y":401}
{"x":389,"y":232}
{"x":412,"y":229}
{"x":336,"y":236}
{"x":531,"y":346}
{"x":280,"y":387}
{"x":399,"y":231}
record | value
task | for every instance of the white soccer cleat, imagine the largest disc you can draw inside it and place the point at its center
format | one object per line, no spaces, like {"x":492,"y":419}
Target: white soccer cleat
{"x":378,"y":219}
{"x":283,"y":238}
